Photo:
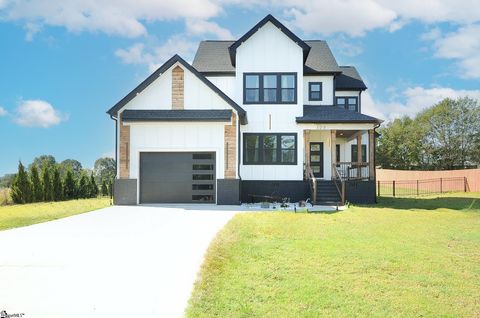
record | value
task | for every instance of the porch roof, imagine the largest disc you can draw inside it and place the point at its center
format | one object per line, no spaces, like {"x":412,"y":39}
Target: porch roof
{"x":333,"y":114}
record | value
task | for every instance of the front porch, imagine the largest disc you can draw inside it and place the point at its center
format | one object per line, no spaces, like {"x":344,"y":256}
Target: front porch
{"x":335,"y":159}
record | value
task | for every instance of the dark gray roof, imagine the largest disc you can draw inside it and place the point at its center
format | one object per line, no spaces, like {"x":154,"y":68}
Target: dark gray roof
{"x":333,"y":114}
{"x":176,"y":58}
{"x":349,"y":79}
{"x":176,"y":115}
{"x":320,"y":59}
{"x":213,"y":57}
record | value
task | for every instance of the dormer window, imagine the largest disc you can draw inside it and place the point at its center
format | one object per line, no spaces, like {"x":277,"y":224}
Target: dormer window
{"x":350,"y":103}
{"x":270,"y":88}
{"x":315,"y":91}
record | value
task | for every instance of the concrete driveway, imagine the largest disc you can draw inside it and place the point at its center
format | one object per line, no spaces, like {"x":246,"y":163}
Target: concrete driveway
{"x":116,"y":262}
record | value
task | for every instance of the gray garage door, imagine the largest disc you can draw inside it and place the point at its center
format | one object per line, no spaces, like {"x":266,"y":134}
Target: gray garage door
{"x":177,"y":177}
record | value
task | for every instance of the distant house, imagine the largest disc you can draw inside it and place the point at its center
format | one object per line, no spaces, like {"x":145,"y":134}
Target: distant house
{"x":267,"y":116}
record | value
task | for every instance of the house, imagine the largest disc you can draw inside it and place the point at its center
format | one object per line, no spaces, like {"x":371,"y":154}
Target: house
{"x":268,"y":116}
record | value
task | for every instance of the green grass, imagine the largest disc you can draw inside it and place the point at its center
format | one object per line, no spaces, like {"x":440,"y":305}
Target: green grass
{"x":404,"y":257}
{"x":26,"y":214}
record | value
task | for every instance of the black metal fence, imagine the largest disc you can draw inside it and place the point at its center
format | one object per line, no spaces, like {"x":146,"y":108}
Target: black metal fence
{"x":421,"y":187}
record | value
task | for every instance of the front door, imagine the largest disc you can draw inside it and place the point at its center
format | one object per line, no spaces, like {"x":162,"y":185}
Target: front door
{"x":316,"y":158}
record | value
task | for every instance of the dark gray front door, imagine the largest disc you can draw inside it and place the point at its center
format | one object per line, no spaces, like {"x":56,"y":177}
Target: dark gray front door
{"x":316,"y":158}
{"x":177,"y":177}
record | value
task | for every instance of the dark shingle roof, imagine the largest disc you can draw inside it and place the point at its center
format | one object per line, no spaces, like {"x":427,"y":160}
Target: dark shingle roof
{"x":349,"y":79}
{"x":333,"y":114}
{"x":176,"y":115}
{"x":213,"y":57}
{"x":176,"y":58}
{"x":320,"y":58}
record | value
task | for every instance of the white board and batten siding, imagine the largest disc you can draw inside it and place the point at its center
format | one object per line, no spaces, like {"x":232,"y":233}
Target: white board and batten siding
{"x":270,"y":50}
{"x":327,"y":89}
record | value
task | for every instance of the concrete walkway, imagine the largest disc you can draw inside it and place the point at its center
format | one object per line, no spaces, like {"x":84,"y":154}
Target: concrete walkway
{"x":116,"y":262}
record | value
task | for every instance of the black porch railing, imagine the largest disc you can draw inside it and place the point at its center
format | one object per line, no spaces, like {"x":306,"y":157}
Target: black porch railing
{"x":353,"y":170}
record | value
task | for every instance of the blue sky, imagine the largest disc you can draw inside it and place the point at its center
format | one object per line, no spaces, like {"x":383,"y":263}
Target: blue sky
{"x":64,"y":63}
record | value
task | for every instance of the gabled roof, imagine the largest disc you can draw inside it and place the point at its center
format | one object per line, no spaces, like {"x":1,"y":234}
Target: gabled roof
{"x":130,"y":115}
{"x":213,"y":57}
{"x":176,"y":58}
{"x":334,"y":114}
{"x":349,"y":79}
{"x":269,"y":18}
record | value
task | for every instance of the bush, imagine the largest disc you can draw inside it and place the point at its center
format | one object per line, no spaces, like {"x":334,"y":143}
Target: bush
{"x":93,"y":187}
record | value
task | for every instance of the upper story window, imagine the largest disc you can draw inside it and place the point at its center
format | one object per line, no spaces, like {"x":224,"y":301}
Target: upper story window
{"x":315,"y":91}
{"x":350,"y":103}
{"x":270,"y":88}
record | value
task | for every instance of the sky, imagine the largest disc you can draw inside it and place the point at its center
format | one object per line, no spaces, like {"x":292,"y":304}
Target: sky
{"x":63,"y":64}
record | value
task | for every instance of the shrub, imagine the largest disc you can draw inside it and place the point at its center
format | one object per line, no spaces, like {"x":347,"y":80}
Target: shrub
{"x":93,"y":187}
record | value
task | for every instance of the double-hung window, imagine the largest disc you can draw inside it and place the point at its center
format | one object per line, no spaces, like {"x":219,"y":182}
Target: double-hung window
{"x":270,"y":88}
{"x":315,"y":91}
{"x":269,"y":149}
{"x":350,"y":103}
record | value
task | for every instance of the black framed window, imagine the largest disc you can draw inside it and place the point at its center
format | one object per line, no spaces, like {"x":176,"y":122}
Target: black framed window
{"x":315,"y":91}
{"x":354,"y":153}
{"x":270,"y":88}
{"x":337,"y":151}
{"x":347,"y":102}
{"x":269,"y":149}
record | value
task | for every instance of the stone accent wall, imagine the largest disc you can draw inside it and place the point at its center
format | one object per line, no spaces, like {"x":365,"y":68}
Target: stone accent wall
{"x":177,"y":88}
{"x":124,"y":145}
{"x":230,"y":136}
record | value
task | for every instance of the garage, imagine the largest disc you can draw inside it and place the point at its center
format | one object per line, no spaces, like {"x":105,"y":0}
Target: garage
{"x":177,"y":177}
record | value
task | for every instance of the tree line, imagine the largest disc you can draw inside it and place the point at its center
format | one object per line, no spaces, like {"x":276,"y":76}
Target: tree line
{"x":441,"y":137}
{"x":45,"y":180}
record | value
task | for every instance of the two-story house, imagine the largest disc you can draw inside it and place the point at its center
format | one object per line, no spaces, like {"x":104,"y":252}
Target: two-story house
{"x":265,"y":117}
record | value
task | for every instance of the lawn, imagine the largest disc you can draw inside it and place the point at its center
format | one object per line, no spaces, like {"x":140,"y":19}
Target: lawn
{"x":408,"y":257}
{"x":26,"y":214}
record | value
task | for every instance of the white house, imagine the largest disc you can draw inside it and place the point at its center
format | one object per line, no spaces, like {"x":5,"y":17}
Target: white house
{"x":266,"y":117}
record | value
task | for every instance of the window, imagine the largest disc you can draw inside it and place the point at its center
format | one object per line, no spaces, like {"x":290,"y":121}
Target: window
{"x":315,"y":91}
{"x":354,"y":153}
{"x":350,"y":103}
{"x":337,"y":151}
{"x":270,"y":88}
{"x":269,"y":149}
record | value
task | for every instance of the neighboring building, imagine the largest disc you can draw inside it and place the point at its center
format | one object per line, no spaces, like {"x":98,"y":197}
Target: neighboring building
{"x":268,"y":115}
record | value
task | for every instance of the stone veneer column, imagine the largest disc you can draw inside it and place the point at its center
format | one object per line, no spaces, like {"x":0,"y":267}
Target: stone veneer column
{"x":177,"y":88}
{"x":230,"y":139}
{"x":124,"y":150}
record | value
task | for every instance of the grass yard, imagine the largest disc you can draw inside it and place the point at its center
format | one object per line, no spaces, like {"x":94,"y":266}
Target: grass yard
{"x":408,"y":257}
{"x":26,"y":214}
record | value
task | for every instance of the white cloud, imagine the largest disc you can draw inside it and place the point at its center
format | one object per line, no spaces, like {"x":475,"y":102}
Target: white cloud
{"x":200,"y":27}
{"x":3,"y":112}
{"x":32,"y":29}
{"x":346,"y":46}
{"x":415,"y":99}
{"x":37,"y":113}
{"x":463,"y":46}
{"x":153,"y":58}
{"x":119,"y":17}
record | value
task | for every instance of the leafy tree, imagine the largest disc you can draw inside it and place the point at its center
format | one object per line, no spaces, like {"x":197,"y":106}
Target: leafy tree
{"x":70,"y":186}
{"x":21,"y":187}
{"x":83,"y":187}
{"x":43,"y":161}
{"x":70,"y":164}
{"x":7,"y":180}
{"x":93,"y":187}
{"x":48,"y":188}
{"x":37,"y":187}
{"x":57,"y":185}
{"x":104,"y":188}
{"x":104,"y":170}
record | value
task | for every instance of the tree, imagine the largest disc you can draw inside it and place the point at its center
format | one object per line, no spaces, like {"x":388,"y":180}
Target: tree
{"x":57,"y":185}
{"x":104,"y":188}
{"x":21,"y":187}
{"x":93,"y":187}
{"x":70,"y":186}
{"x":43,"y":161}
{"x":104,"y":170}
{"x":48,"y":188}
{"x":83,"y":187}
{"x":70,"y":164}
{"x":7,"y":180}
{"x":37,"y":187}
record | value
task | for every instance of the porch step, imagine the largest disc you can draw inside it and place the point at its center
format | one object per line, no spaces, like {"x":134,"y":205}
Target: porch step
{"x":327,"y":193}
